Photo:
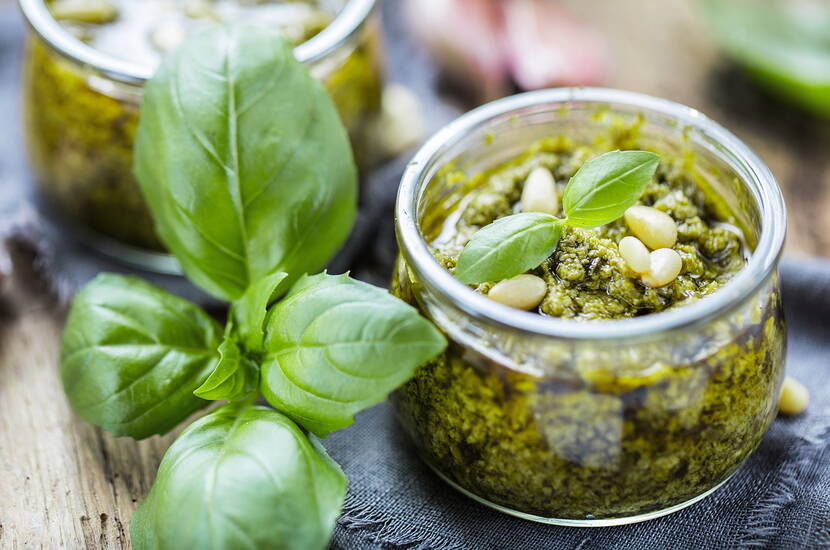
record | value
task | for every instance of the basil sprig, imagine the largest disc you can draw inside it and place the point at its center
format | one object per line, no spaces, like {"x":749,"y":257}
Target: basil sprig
{"x":249,"y":176}
{"x":599,"y":193}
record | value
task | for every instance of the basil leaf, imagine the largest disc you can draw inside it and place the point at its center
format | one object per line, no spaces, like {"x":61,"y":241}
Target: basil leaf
{"x":605,"y":187}
{"x":234,"y":377}
{"x":241,"y":477}
{"x":133,"y":354}
{"x":336,"y":346}
{"x":243,"y":160}
{"x":784,"y":45}
{"x":507,"y":247}
{"x":249,"y":311}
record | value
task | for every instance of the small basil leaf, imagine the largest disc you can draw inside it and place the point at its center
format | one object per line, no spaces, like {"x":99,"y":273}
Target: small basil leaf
{"x":249,"y":311}
{"x":336,"y":346}
{"x":234,"y":377}
{"x":605,"y":187}
{"x":241,"y":477}
{"x":133,"y":354}
{"x":507,"y":247}
{"x":243,"y":160}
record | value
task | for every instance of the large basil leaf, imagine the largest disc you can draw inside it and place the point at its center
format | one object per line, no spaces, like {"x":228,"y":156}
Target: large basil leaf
{"x":243,"y":160}
{"x":133,"y":354}
{"x":336,"y":346}
{"x":241,"y":477}
{"x":508,"y":246}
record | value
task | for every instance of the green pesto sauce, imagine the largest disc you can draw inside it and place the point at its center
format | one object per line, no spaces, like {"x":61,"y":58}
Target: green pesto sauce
{"x":597,"y":432}
{"x":586,"y":276}
{"x":80,"y":127}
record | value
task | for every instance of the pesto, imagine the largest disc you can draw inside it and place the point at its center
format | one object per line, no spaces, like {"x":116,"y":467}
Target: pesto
{"x":586,"y":276}
{"x":580,"y":430}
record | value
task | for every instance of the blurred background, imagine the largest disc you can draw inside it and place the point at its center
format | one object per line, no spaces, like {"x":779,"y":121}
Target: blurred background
{"x":759,"y":67}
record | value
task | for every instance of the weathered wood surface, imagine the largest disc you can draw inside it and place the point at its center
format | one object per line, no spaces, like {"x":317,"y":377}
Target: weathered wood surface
{"x":66,"y":484}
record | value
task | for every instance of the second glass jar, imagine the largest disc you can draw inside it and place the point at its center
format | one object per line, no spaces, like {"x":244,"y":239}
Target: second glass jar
{"x":81,"y":114}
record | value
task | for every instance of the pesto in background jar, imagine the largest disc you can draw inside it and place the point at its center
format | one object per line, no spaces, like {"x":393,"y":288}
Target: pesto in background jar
{"x":82,"y":87}
{"x":557,"y":415}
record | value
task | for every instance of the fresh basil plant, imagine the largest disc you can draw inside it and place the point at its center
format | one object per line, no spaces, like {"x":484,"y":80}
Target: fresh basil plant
{"x":250,"y":179}
{"x":599,"y":193}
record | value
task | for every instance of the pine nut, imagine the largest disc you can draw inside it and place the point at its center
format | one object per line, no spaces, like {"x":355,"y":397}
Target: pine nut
{"x":521,"y":292}
{"x":655,"y":228}
{"x":85,"y":11}
{"x":794,"y":397}
{"x":539,"y":193}
{"x":635,"y":254}
{"x":666,"y":265}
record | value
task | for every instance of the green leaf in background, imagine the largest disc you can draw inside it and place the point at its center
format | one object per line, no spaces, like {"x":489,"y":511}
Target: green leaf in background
{"x":508,"y":246}
{"x":250,"y":310}
{"x":234,"y":377}
{"x":336,"y":346}
{"x":133,"y":354}
{"x":605,"y":187}
{"x":243,"y":160}
{"x":785,"y":45}
{"x":241,"y":477}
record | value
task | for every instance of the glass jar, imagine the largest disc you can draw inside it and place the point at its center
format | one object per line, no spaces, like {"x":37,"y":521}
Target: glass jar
{"x":81,"y":113}
{"x":602,"y":422}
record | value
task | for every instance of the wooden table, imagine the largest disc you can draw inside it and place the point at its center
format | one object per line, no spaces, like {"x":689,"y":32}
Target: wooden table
{"x":67,"y":484}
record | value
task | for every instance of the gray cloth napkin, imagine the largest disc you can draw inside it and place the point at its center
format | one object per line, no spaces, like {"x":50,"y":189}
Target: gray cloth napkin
{"x":779,"y":499}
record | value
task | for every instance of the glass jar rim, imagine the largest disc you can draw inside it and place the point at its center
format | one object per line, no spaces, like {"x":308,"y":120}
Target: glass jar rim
{"x":433,"y":275}
{"x":346,"y":24}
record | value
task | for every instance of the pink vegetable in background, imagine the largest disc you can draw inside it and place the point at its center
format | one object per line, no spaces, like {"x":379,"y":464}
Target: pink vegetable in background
{"x":547,"y":46}
{"x":464,"y":37}
{"x":489,"y":44}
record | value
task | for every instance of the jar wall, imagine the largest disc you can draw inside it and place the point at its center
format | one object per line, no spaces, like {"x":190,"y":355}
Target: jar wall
{"x":80,"y":127}
{"x":597,"y":431}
